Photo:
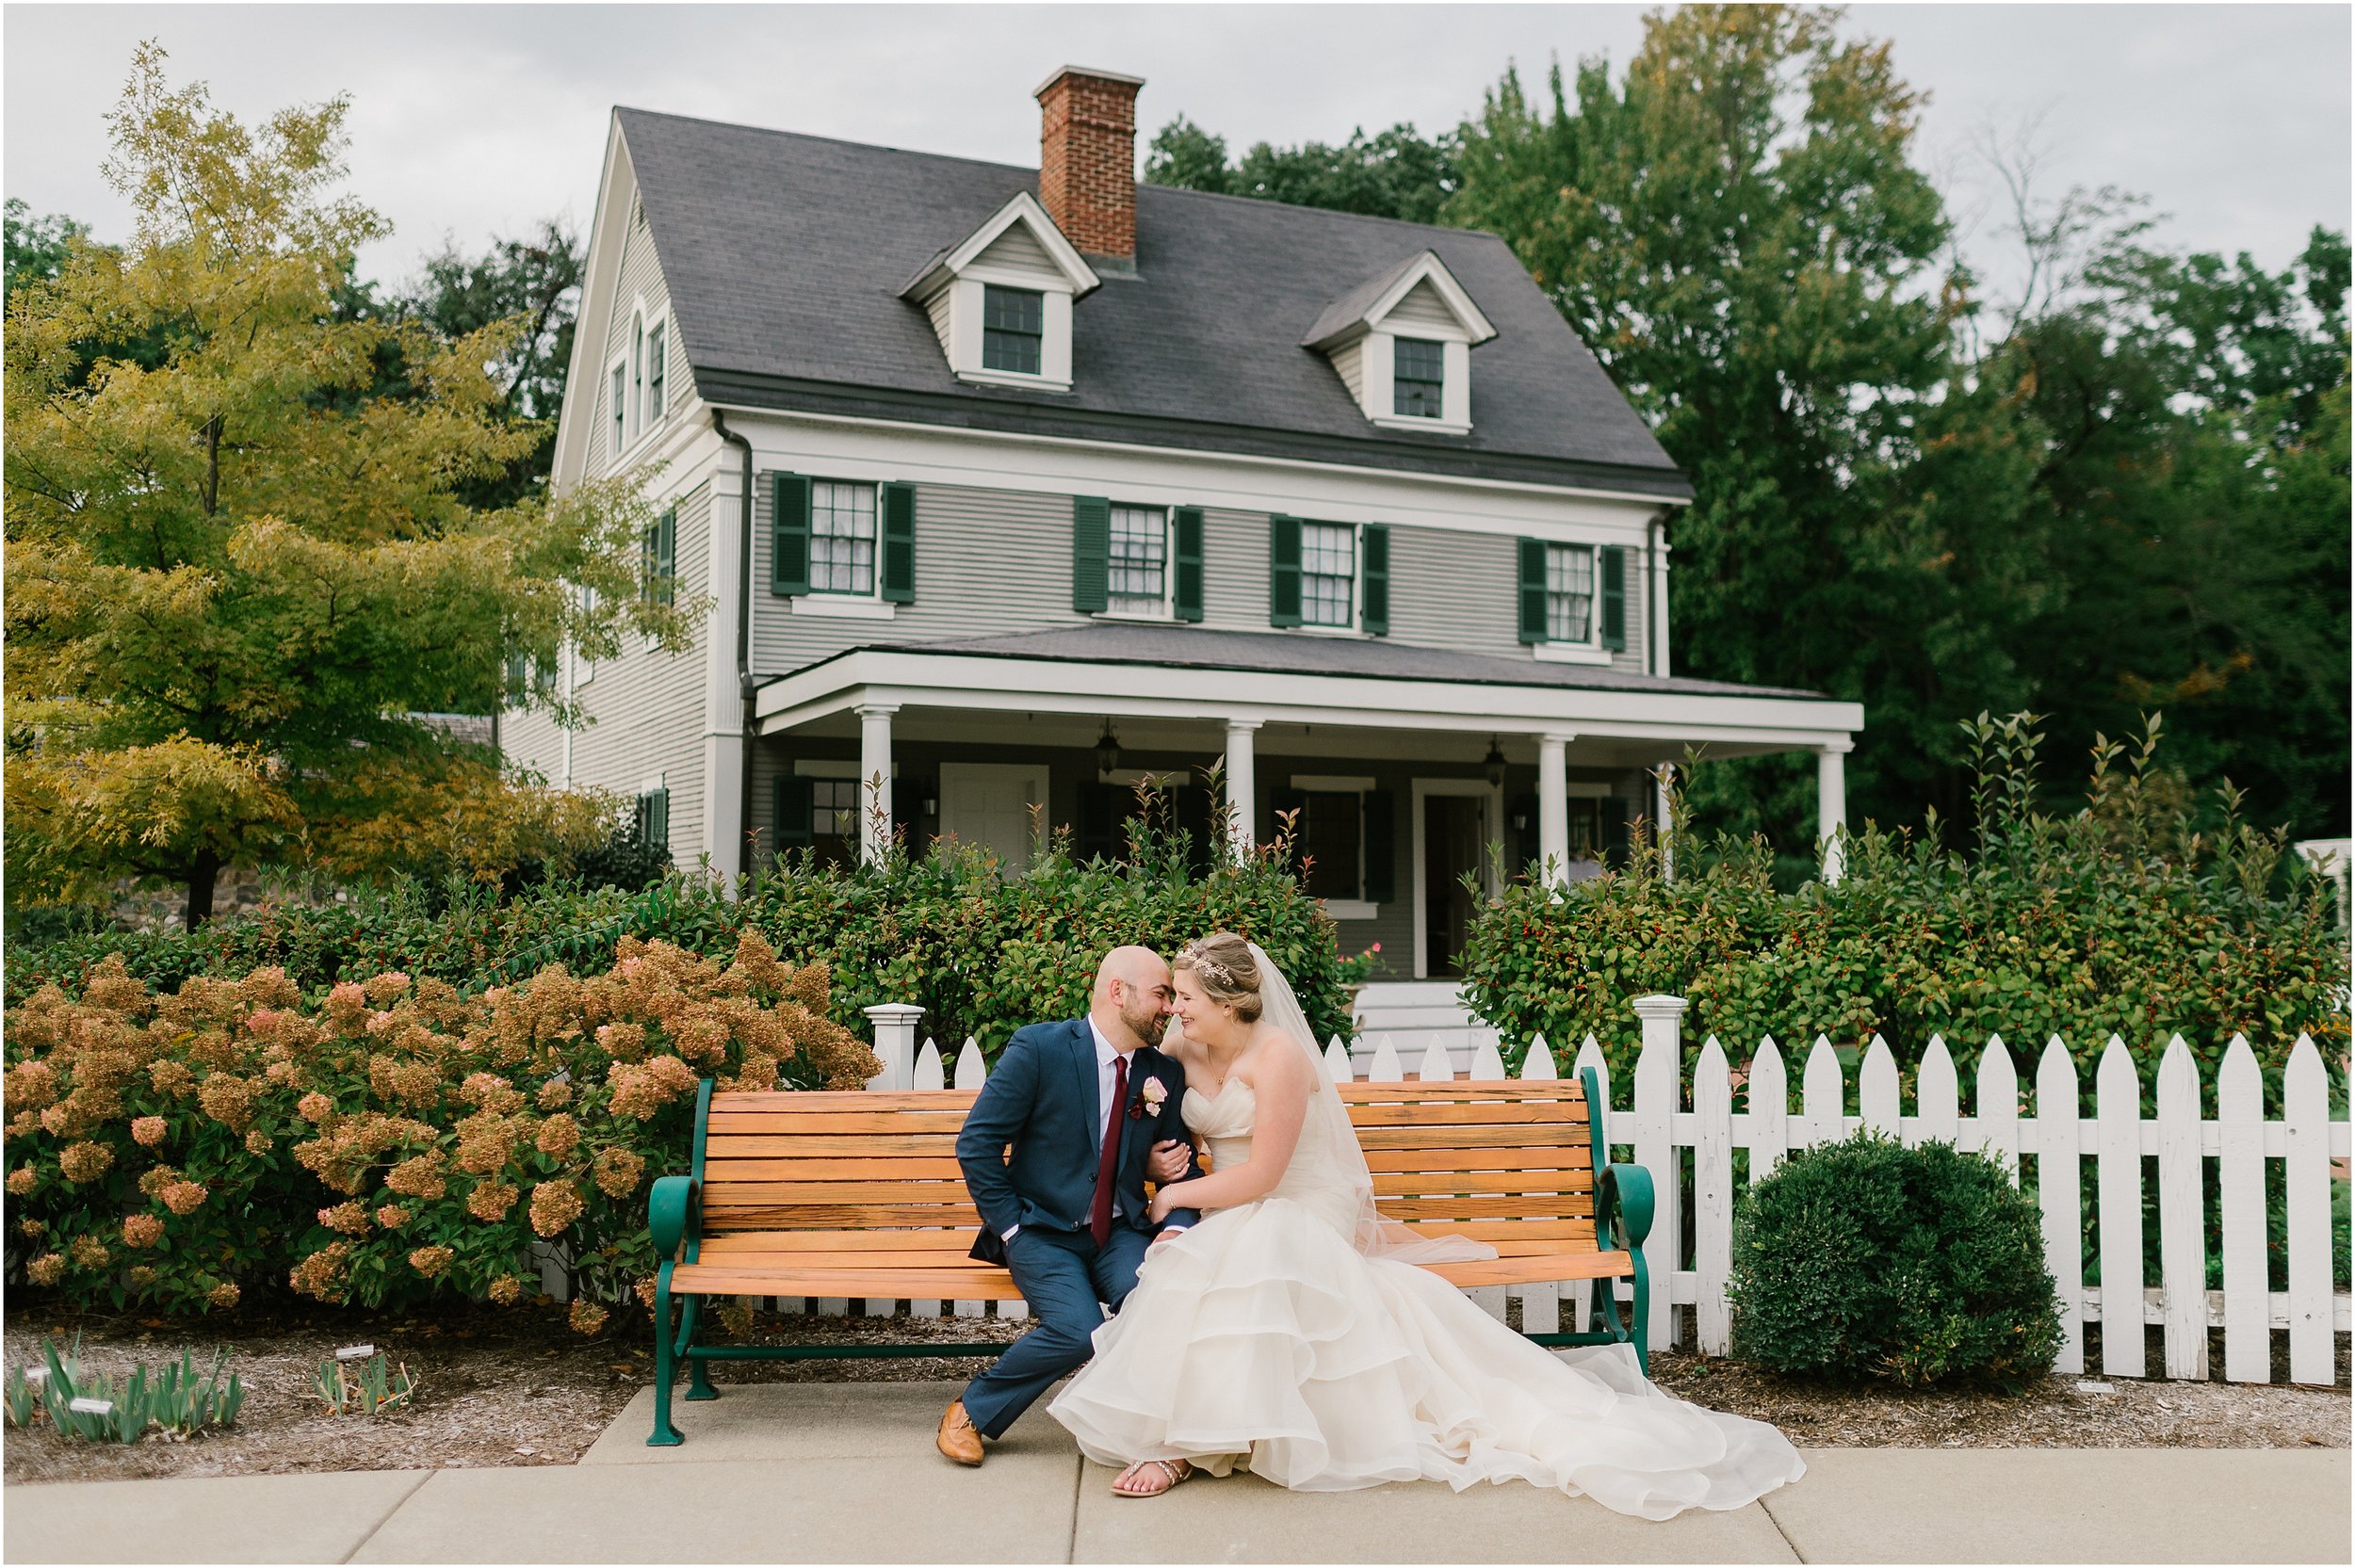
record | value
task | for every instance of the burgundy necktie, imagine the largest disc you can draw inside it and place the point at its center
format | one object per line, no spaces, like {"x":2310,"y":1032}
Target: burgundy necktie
{"x":1101,"y":1218}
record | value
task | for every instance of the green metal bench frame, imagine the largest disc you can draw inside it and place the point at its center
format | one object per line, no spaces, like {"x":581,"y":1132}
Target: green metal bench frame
{"x":1623,"y":1214}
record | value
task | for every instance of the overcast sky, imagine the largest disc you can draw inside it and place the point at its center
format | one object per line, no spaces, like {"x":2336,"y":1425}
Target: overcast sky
{"x":475,"y":121}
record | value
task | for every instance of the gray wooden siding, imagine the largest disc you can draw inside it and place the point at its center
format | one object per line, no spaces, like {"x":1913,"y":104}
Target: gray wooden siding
{"x":1422,"y":307}
{"x":1350,"y":360}
{"x":1017,"y":248}
{"x":646,"y":706}
{"x":989,"y":561}
{"x":641,"y":276}
{"x":1458,"y":590}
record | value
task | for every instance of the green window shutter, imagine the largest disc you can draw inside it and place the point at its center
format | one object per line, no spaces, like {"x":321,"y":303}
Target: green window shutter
{"x":654,"y":817}
{"x":788,"y":533}
{"x":1533,"y":593}
{"x":1187,"y":525}
{"x":1091,"y":553}
{"x":1381,"y":847}
{"x":1373,"y":543}
{"x":1283,"y":570}
{"x":789,"y":814}
{"x":1612,"y":568}
{"x":662,"y":558}
{"x":897,"y":506}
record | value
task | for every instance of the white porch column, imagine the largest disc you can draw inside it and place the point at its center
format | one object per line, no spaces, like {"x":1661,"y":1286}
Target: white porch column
{"x":875,"y":779}
{"x":1554,"y":808}
{"x":723,"y":699}
{"x":1242,"y":784}
{"x":1831,"y":805}
{"x":894,"y":1024}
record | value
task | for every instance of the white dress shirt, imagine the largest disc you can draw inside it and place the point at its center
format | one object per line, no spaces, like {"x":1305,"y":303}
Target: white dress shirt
{"x":1107,"y":1055}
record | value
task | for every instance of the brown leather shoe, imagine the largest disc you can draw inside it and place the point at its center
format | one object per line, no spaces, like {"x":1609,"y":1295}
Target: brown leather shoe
{"x":959,"y":1439}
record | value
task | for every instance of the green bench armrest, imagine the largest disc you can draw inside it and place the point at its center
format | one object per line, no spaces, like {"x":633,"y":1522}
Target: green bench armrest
{"x":1628,"y":1189}
{"x":671,"y":1213}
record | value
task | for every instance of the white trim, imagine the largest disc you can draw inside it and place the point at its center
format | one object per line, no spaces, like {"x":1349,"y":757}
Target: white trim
{"x":1331,"y":782}
{"x":1491,"y":799}
{"x":1735,"y":725}
{"x":841,"y":606}
{"x":1022,"y":208}
{"x":1569,"y":653}
{"x":1569,"y":515}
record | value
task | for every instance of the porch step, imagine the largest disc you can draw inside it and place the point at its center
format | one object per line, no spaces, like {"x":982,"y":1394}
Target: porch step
{"x":1412,"y":1013}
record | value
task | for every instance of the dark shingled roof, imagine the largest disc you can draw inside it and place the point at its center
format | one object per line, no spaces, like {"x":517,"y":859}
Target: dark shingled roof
{"x":784,"y":254}
{"x":1291,"y":653}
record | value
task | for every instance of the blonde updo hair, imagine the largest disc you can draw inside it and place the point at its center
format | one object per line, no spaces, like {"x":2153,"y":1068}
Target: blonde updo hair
{"x":1223,"y":968}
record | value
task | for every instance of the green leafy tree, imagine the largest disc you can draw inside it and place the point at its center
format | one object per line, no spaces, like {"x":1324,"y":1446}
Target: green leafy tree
{"x":1392,"y":173}
{"x":236,"y":573}
{"x":37,"y":247}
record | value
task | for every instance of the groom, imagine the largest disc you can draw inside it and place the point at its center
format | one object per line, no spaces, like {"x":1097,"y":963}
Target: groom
{"x":1055,"y":1152}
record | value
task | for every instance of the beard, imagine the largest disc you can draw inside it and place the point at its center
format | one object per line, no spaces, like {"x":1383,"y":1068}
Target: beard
{"x":1149,"y":1023}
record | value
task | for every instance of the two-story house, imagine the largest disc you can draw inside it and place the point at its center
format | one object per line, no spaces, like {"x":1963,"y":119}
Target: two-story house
{"x":1009,"y":487}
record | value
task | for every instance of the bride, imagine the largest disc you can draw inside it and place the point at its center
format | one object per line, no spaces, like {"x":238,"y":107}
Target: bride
{"x":1290,"y":1333}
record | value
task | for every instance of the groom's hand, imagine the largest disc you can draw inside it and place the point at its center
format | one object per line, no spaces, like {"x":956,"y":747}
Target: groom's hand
{"x":1167,"y":1162}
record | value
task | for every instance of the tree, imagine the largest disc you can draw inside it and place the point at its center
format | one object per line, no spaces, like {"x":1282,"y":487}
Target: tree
{"x":1393,"y":173}
{"x":37,"y":247}
{"x":237,"y":575}
{"x":1736,"y":229}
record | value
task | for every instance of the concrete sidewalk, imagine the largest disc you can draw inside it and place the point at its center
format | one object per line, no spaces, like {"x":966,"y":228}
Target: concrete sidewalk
{"x":846,"y":1473}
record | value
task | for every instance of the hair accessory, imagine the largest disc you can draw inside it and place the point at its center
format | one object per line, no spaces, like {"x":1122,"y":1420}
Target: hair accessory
{"x":1192,"y":955}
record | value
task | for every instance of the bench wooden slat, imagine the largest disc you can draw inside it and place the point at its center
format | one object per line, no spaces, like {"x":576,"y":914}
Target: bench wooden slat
{"x":912,"y":1168}
{"x":1511,"y":1237}
{"x":839,"y":1216}
{"x":1511,"y":1090}
{"x":786,"y":1123}
{"x":1565,"y":1184}
{"x":1523,"y":1135}
{"x":1477,"y":1113}
{"x":1553,"y":1157}
{"x":794,"y":1101}
{"x":1396,"y":1170}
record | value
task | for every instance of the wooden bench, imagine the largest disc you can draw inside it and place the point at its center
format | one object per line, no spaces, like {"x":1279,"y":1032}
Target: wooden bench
{"x":859,"y":1195}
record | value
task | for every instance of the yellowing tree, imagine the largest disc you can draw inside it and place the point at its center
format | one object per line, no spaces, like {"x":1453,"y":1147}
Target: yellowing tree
{"x":236,"y":574}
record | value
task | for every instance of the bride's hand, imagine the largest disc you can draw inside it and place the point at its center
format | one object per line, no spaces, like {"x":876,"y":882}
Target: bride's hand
{"x":1165,"y":1201}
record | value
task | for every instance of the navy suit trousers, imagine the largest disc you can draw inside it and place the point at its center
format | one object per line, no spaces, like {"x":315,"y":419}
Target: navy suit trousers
{"x":1067,"y":1282}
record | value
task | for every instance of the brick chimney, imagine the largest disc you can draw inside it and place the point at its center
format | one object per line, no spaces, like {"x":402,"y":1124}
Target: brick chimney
{"x":1087,"y":160}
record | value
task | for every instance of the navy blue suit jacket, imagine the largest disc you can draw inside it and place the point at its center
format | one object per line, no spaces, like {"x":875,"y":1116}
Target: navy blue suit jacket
{"x":1031,"y":1141}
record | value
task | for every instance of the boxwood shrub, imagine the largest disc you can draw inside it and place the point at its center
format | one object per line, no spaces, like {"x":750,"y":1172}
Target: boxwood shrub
{"x":1867,"y":1260}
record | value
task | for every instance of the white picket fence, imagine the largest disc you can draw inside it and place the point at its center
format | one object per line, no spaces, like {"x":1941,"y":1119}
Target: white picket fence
{"x":1663,"y":1116}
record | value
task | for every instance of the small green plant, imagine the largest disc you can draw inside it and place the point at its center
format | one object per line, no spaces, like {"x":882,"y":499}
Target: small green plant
{"x":374,"y":1387}
{"x":1869,"y":1260}
{"x":92,"y":1406}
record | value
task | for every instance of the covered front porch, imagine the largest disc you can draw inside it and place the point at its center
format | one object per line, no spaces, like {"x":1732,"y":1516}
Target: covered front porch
{"x":1397,"y":769}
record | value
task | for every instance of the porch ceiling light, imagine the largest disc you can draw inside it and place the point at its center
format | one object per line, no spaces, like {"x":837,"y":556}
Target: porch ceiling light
{"x":1494,"y":763}
{"x":1107,"y":751}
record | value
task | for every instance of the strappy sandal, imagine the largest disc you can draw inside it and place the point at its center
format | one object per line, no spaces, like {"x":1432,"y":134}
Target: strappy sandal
{"x":1177,"y":1470}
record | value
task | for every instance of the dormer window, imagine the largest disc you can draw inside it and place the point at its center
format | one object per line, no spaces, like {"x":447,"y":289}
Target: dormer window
{"x":999,"y":301}
{"x":1014,"y":325}
{"x":1400,"y":342}
{"x":1419,"y":380}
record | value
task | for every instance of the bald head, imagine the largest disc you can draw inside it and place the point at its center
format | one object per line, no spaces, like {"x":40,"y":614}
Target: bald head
{"x":1130,"y":1003}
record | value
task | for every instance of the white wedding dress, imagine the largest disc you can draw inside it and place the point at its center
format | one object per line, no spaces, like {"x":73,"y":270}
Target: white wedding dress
{"x":1264,"y":1338}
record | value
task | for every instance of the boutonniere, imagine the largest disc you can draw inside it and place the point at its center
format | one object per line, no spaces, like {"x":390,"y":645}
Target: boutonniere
{"x":1150,"y":1097}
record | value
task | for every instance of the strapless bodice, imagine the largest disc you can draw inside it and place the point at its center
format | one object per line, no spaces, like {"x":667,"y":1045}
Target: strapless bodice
{"x":1223,"y":1121}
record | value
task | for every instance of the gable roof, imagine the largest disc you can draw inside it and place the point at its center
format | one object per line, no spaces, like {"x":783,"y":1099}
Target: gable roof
{"x":1385,"y":289}
{"x":785,"y":255}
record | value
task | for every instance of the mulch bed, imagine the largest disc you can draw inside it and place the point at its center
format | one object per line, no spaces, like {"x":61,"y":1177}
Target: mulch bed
{"x":517,"y":1388}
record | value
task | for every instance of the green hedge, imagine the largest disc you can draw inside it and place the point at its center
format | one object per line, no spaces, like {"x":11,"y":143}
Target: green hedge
{"x":2117,"y":920}
{"x":983,"y":953}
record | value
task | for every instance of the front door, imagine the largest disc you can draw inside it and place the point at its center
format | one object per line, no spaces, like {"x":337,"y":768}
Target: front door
{"x":1452,"y":838}
{"x":990,"y":804}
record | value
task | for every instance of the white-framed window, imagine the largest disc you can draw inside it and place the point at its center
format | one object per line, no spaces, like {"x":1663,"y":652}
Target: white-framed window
{"x":657,"y":362}
{"x":1329,"y":575}
{"x":842,"y":538}
{"x":637,"y":374}
{"x":1137,"y":570}
{"x":1570,"y":593}
{"x":620,"y":399}
{"x":1013,"y":328}
{"x":1419,"y":378}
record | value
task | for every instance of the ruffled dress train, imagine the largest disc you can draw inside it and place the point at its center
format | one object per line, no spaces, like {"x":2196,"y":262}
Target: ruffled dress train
{"x":1262,"y":1339}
